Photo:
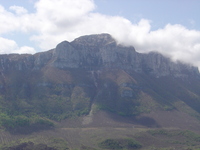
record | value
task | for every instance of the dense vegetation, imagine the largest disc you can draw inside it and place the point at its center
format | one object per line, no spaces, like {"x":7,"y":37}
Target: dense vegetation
{"x":47,"y":96}
{"x":117,"y":144}
{"x":29,"y":146}
{"x":50,"y":144}
{"x":36,"y":103}
{"x":39,"y":112}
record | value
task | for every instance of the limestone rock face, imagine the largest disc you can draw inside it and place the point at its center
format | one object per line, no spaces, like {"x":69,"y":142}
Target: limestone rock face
{"x":102,"y":51}
{"x":95,"y":52}
{"x":65,"y":56}
{"x":158,"y":65}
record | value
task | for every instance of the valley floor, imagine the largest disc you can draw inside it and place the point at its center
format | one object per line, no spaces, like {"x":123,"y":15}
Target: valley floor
{"x":171,"y":131}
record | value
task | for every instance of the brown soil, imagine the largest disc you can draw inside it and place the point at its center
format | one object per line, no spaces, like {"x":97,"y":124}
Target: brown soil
{"x":159,"y":119}
{"x":175,"y":119}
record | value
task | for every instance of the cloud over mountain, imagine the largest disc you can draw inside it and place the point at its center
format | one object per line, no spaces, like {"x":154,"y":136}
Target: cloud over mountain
{"x":56,"y":20}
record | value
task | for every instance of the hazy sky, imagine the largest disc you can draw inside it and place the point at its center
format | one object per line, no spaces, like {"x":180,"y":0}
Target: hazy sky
{"x":171,"y":27}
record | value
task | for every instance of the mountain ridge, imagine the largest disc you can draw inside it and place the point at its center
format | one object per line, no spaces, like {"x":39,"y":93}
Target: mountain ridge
{"x":95,"y":52}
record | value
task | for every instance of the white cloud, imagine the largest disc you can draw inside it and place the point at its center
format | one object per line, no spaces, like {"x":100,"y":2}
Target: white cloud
{"x":8,"y":22}
{"x":25,"y":49}
{"x":55,"y":20}
{"x":18,"y":10}
{"x":9,"y":46}
{"x":62,"y":12}
{"x":173,"y":40}
{"x":58,"y":20}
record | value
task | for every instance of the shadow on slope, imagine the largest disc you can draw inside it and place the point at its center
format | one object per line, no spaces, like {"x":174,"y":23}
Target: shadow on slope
{"x":109,"y":119}
{"x":135,"y":120}
{"x":29,"y":129}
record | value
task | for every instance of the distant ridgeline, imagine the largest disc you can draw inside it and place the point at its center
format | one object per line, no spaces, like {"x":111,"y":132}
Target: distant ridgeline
{"x":91,"y":70}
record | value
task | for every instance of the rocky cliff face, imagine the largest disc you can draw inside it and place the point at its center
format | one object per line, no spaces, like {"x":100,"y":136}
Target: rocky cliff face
{"x":95,"y":52}
{"x":102,"y":51}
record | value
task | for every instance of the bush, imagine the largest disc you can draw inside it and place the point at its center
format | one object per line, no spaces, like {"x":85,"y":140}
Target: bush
{"x":110,"y":144}
{"x":10,"y":122}
{"x":120,"y":144}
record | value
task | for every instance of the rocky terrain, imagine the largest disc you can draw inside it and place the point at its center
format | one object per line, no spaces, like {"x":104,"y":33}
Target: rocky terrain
{"x":99,"y":82}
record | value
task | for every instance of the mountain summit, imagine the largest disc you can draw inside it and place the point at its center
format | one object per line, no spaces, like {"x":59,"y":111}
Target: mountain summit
{"x":94,"y":72}
{"x":96,"y":52}
{"x":101,"y":51}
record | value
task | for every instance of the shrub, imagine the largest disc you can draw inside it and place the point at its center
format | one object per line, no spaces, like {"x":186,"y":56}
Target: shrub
{"x":120,"y":144}
{"x":10,"y":122}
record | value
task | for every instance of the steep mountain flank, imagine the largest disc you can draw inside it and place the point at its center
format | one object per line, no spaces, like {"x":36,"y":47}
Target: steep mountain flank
{"x":93,"y":73}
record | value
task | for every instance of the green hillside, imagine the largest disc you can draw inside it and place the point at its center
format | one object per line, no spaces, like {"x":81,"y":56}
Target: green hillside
{"x":93,"y":94}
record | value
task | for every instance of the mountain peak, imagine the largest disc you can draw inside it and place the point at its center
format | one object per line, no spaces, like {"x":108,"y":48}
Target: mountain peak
{"x":94,"y":40}
{"x":98,"y":52}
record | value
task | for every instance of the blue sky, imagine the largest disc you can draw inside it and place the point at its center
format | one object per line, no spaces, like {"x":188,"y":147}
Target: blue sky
{"x":161,"y":12}
{"x":171,"y":27}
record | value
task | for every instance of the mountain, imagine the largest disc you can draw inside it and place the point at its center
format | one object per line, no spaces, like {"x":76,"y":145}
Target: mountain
{"x":94,"y":89}
{"x":93,"y":73}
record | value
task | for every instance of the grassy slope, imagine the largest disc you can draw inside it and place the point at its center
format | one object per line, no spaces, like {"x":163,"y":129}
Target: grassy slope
{"x":57,"y":94}
{"x":90,"y":136}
